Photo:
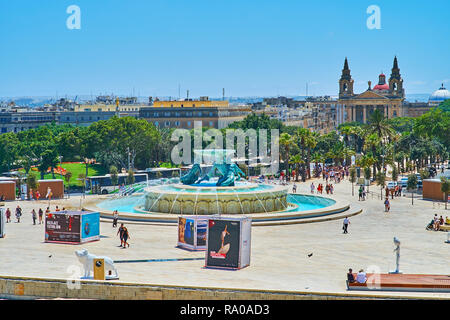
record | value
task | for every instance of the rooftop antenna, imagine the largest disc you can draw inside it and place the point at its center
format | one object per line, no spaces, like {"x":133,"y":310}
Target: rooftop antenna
{"x":179,"y":94}
{"x":306,"y":89}
{"x":188,"y":94}
{"x":223,"y":93}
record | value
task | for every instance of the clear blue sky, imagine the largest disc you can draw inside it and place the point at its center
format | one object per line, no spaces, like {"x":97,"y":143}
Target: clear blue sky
{"x":249,"y":47}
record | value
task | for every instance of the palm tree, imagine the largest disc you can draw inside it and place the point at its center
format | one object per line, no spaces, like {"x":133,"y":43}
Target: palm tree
{"x":317,"y":158}
{"x":301,"y":136}
{"x":286,"y":142}
{"x":352,"y":176}
{"x":297,"y":161}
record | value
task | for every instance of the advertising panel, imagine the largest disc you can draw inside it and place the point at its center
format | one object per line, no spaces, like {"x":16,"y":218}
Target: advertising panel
{"x":202,"y":227}
{"x":223,"y":243}
{"x":62,"y":228}
{"x":192,"y":232}
{"x":90,"y":227}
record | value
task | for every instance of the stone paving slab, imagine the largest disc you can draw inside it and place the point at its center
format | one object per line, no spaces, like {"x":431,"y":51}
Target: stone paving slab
{"x":279,"y":257}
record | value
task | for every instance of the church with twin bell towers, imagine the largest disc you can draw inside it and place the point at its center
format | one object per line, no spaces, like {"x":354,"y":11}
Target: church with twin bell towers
{"x":386,"y":97}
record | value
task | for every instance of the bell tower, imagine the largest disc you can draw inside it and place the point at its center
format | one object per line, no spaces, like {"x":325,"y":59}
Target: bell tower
{"x":396,"y":81}
{"x":346,"y":82}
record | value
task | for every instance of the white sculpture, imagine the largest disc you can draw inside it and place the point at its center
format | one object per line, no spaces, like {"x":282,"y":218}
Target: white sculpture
{"x":87,"y":259}
{"x":397,"y":255}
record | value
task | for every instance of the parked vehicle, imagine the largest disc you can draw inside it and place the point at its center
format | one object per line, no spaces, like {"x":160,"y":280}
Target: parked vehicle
{"x":392,"y":184}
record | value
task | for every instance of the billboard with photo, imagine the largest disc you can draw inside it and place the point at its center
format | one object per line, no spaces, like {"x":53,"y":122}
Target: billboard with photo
{"x":62,"y":228}
{"x":90,"y":227}
{"x":223,"y":243}
{"x":202,"y":227}
{"x":192,"y":232}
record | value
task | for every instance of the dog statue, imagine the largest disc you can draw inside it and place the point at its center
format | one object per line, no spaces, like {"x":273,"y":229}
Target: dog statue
{"x":87,"y":260}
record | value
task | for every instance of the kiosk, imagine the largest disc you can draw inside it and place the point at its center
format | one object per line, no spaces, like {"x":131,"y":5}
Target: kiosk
{"x":2,"y":222}
{"x":74,"y":227}
{"x":192,"y":232}
{"x":228,"y":242}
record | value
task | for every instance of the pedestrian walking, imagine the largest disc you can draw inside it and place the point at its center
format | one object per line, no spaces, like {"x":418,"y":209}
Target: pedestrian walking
{"x":34,"y":215}
{"x":115,"y":218}
{"x":126,"y":236}
{"x":41,"y":213}
{"x":387,"y":205}
{"x":8,"y":215}
{"x":18,"y":213}
{"x":120,"y":233}
{"x":345,"y":226}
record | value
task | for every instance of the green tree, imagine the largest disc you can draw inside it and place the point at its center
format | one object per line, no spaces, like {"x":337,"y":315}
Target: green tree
{"x":394,"y":173}
{"x":445,"y":188}
{"x":352,"y":176}
{"x":32,"y":183}
{"x":381,"y":181}
{"x":286,"y":143}
{"x":114,"y":173}
{"x":67,"y":178}
{"x":82,"y":177}
{"x":411,"y":185}
{"x":130,"y":177}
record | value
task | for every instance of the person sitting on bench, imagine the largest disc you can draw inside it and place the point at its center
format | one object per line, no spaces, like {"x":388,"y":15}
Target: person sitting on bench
{"x":350,"y":276}
{"x":361,"y":276}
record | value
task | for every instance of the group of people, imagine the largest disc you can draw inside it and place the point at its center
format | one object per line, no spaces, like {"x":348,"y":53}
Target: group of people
{"x":336,"y":173}
{"x":437,"y":222}
{"x":34,"y":215}
{"x":395,"y":192}
{"x":328,"y":188}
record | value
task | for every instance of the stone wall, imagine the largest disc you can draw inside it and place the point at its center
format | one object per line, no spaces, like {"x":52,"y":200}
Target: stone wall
{"x":31,"y":288}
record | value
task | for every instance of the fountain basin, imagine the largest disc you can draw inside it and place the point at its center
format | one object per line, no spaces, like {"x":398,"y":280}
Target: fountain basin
{"x":247,"y":198}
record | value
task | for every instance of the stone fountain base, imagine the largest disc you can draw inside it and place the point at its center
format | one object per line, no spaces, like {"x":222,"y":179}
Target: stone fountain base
{"x":246,"y":199}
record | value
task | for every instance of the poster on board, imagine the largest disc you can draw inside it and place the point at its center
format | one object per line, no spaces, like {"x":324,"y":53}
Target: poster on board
{"x":192,"y":232}
{"x":62,"y":228}
{"x":223,"y":243}
{"x":90,"y":227}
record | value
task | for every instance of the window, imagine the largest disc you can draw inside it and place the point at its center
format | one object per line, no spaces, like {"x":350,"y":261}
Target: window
{"x":177,"y":123}
{"x":210,"y":123}
{"x":156,"y":123}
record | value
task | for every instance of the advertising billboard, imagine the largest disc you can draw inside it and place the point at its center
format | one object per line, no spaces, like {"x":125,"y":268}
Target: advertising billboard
{"x":72,"y":226}
{"x":62,"y":228}
{"x":223,"y":243}
{"x":90,"y":227}
{"x":192,"y":232}
{"x":202,"y":227}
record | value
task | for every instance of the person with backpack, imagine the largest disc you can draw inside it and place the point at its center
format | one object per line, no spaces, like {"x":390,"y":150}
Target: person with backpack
{"x":18,"y":213}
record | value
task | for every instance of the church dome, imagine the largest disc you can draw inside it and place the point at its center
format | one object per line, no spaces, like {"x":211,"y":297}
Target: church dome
{"x":440,"y":95}
{"x":382,"y":85}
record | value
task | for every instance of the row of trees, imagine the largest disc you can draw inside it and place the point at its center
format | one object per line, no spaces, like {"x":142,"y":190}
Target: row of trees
{"x":122,"y":142}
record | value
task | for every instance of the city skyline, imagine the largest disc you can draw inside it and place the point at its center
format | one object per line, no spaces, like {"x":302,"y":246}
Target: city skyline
{"x":251,"y":49}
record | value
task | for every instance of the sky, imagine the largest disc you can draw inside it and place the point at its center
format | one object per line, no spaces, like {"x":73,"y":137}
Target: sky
{"x":250,"y":48}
